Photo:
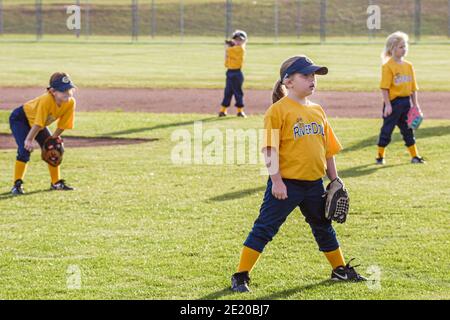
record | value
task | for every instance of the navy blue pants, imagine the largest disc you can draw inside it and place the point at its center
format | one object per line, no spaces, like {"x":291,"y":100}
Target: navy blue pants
{"x":308,"y":196}
{"x":20,"y":129}
{"x":400,"y":108}
{"x":233,"y":87}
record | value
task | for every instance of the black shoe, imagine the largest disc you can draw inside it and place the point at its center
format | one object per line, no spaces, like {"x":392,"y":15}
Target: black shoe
{"x":347,"y":273}
{"x":60,"y":185}
{"x":240,"y":281}
{"x":241,"y":114}
{"x":380,"y":161}
{"x":417,"y":160}
{"x":222,"y":114}
{"x":17,"y":189}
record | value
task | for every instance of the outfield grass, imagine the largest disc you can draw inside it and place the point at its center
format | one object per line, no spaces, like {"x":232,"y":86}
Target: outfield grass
{"x":191,"y":65}
{"x":140,"y":227}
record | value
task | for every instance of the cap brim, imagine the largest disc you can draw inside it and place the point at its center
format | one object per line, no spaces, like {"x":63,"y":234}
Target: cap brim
{"x":315,"y":69}
{"x":65,"y":87}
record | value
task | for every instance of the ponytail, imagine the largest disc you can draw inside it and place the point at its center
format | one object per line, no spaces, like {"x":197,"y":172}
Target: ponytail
{"x":279,"y":91}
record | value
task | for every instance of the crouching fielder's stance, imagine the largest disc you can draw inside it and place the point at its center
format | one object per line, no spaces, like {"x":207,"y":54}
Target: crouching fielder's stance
{"x":29,"y":122}
{"x":299,"y":149}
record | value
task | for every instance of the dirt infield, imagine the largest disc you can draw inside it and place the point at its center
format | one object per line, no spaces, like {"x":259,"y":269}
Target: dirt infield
{"x":436,"y":105}
{"x":7,"y":141}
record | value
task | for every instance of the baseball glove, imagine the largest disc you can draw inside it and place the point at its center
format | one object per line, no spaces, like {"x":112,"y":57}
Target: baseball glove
{"x":414,"y":118}
{"x":52,"y":151}
{"x":337,"y":201}
{"x":230,"y":43}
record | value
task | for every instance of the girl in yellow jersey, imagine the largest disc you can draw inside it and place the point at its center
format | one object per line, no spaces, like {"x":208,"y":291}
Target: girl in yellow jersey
{"x":29,"y":122}
{"x":399,"y":89}
{"x":234,"y":59}
{"x":299,"y":149}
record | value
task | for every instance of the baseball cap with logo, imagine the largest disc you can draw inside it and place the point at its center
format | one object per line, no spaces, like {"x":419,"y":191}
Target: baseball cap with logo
{"x":304,"y":65}
{"x":62,"y":83}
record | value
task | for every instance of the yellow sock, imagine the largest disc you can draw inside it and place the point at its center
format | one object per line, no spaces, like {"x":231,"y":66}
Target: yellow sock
{"x":381,"y":152}
{"x":413,"y":151}
{"x":240,"y":109}
{"x":223,"y":109}
{"x":249,"y":257}
{"x":335,"y":258}
{"x":19,"y":170}
{"x":54,"y":173}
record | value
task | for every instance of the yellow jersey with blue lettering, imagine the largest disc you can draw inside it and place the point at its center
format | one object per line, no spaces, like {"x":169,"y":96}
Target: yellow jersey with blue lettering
{"x":398,"y":78}
{"x":234,"y":58}
{"x":43,"y":111}
{"x":303,"y":138}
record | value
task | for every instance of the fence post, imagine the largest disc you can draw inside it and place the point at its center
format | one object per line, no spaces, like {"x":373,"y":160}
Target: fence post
{"x":417,"y":19}
{"x":77,"y":31}
{"x":228,"y":18}
{"x":1,"y":17}
{"x":38,"y":6}
{"x":135,"y":20}
{"x":87,"y":22}
{"x":323,"y":20}
{"x":276,"y":20}
{"x":153,"y":18}
{"x":182,"y":19}
{"x":298,"y":22}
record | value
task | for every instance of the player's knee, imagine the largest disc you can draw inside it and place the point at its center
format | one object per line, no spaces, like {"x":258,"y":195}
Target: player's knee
{"x":23,"y":156}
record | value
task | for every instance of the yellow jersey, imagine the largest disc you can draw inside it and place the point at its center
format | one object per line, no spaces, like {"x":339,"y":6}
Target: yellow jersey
{"x":43,"y":111}
{"x":398,"y":78}
{"x":302,"y":137}
{"x":234,"y":58}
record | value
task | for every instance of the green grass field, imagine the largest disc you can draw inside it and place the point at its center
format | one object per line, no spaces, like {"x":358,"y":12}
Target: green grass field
{"x":353,"y":67}
{"x":140,"y":227}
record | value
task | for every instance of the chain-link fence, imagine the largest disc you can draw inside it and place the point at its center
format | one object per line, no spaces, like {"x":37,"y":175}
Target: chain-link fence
{"x":309,"y":20}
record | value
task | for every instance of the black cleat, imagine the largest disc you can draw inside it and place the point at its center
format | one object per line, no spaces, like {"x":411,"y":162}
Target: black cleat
{"x":17,"y":189}
{"x":240,"y":281}
{"x":380,"y":161}
{"x":347,"y":273}
{"x":241,"y":114}
{"x":222,"y":114}
{"x":61,"y":185}
{"x":417,"y":160}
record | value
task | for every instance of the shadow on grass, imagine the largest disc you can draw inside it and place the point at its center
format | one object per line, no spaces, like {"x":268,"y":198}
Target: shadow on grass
{"x":8,"y":195}
{"x":237,"y":194}
{"x":421,"y":133}
{"x":164,"y":126}
{"x":216,"y":295}
{"x":366,"y":169}
{"x":289,"y":292}
{"x":276,"y":295}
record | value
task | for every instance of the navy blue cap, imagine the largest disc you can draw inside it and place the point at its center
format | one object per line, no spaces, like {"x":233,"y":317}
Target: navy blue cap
{"x":62,"y":84}
{"x":304,"y":65}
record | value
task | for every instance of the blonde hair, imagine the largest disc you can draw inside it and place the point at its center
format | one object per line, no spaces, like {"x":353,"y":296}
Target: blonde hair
{"x":392,"y":42}
{"x":279,"y":89}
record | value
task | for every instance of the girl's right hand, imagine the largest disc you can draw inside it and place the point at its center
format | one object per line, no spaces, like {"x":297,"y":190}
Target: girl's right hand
{"x":29,"y":145}
{"x":279,"y":190}
{"x":387,"y":111}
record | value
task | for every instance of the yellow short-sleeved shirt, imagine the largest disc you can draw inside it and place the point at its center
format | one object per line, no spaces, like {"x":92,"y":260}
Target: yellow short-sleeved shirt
{"x":234,"y":57}
{"x":305,"y":139}
{"x":43,"y":111}
{"x":398,"y":78}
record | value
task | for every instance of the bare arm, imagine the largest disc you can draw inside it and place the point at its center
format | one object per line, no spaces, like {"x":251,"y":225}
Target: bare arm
{"x":415,"y":100}
{"x":331,"y":169}
{"x":57,"y":133}
{"x":387,"y":102}
{"x":279,"y":189}
{"x":31,"y":136}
